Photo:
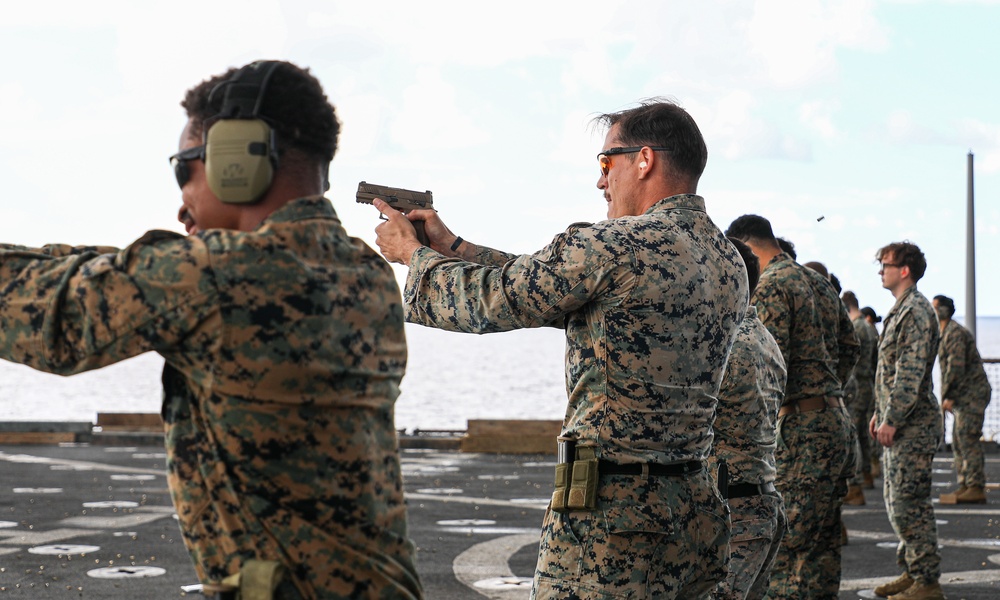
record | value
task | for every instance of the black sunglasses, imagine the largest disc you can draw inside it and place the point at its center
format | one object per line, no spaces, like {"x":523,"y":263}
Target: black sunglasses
{"x":179,"y":163}
{"x":605,"y":162}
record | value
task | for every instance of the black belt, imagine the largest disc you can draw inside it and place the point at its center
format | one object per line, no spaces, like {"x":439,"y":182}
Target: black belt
{"x":657,"y":470}
{"x":743,"y":490}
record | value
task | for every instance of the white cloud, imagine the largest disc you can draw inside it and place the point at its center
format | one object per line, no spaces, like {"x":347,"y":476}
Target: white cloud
{"x":818,"y":116}
{"x":430,"y":118}
{"x":797,"y":40}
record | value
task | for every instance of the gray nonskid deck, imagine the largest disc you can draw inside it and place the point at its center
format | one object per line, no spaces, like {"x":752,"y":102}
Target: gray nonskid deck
{"x":91,"y":521}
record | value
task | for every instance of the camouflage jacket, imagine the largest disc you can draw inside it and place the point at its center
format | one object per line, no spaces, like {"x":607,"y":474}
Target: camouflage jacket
{"x":650,"y":304}
{"x":284,"y":350}
{"x":749,"y":399}
{"x":802,"y":311}
{"x":862,"y":381}
{"x":904,"y":390}
{"x":963,"y":378}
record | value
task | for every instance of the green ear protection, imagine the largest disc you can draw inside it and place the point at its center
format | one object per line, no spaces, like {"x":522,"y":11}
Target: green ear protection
{"x":240,"y":151}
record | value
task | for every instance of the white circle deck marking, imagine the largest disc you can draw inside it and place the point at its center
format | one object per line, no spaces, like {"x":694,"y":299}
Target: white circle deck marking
{"x":888,"y":545}
{"x":7,"y":524}
{"x":133,"y":477}
{"x":150,"y":455}
{"x":411,"y":469}
{"x":498,"y":477}
{"x":441,"y":491}
{"x":57,"y":549}
{"x":121,"y":449}
{"x":492,"y":530}
{"x":504,"y":583}
{"x":125,"y":572}
{"x":42,"y":490}
{"x":130,"y":534}
{"x":463,"y":522}
{"x":530,"y":500}
{"x":941,"y":522}
{"x":538,"y":464}
{"x":111,"y":504}
{"x":70,"y":468}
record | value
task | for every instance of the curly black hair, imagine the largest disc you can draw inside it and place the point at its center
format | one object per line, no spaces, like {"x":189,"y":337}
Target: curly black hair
{"x":294,"y":105}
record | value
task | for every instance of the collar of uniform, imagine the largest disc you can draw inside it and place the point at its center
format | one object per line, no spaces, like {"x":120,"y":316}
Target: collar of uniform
{"x":309,"y":207}
{"x":779,"y":257}
{"x":899,"y":303}
{"x":687,"y":201}
{"x":751,"y":311}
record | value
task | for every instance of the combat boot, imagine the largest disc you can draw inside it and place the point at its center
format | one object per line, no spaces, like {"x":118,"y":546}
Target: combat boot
{"x":921,"y":591}
{"x":876,"y":468}
{"x":869,"y":482}
{"x":972,"y":495}
{"x":855,"y":496}
{"x":900,"y":584}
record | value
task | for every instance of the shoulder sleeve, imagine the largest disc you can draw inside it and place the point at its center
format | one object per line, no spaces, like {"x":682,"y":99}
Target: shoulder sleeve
{"x":916,"y":347}
{"x":83,"y":310}
{"x":775,"y":311}
{"x":530,"y":290}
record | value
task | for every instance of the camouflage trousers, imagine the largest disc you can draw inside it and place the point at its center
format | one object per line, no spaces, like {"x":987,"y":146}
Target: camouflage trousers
{"x":660,"y":537}
{"x":965,"y":435}
{"x":758,"y":526}
{"x":814,"y":461}
{"x":907,"y":490}
{"x":860,"y":416}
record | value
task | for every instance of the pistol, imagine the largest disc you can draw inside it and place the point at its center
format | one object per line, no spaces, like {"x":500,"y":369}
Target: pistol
{"x":402,"y":200}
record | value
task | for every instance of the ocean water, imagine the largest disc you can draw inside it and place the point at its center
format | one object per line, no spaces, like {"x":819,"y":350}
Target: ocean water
{"x":451,"y":377}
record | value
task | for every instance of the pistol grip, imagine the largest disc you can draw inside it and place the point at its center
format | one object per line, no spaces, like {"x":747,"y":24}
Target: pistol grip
{"x":421,"y":233}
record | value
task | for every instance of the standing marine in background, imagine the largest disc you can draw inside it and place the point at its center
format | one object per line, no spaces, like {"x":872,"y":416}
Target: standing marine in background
{"x":745,"y":423}
{"x":651,"y":300}
{"x":907,"y":423}
{"x":860,"y":397}
{"x":965,"y":392}
{"x":283,"y":346}
{"x":814,"y":455}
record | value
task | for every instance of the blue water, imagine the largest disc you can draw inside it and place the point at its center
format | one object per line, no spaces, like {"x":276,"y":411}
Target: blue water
{"x":450,"y":378}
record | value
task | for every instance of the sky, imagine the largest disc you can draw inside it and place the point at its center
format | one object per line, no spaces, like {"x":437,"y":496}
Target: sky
{"x":848,"y":124}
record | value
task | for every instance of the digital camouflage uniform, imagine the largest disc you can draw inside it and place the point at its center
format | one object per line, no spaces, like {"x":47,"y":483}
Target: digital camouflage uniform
{"x":964,"y":382}
{"x":745,"y":423}
{"x":284,"y":350}
{"x":814,"y":456}
{"x":904,"y":399}
{"x":651,"y":305}
{"x":859,"y":394}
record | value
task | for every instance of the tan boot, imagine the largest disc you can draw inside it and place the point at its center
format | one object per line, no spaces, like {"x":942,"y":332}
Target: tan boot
{"x":921,"y":591}
{"x":855,"y":496}
{"x":972,"y":495}
{"x":869,"y":482}
{"x":900,"y":584}
{"x":876,"y":468}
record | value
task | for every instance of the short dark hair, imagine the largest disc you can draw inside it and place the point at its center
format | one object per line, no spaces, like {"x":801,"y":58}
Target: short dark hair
{"x":870,"y":312}
{"x":836,"y":282}
{"x":947,"y":303}
{"x":787,"y":247}
{"x":294,"y":105}
{"x":751,"y":261}
{"x":751,"y":227}
{"x":850,"y":299}
{"x":819,"y":268}
{"x":661,"y":122}
{"x":905,"y":254}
